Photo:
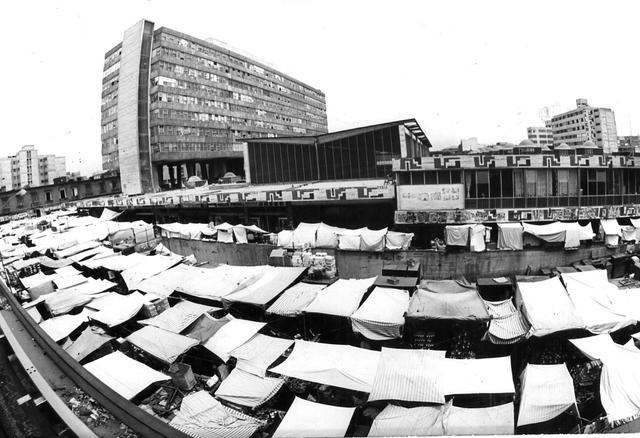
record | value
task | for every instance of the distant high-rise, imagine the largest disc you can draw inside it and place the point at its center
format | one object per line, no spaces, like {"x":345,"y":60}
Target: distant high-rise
{"x":540,"y":135}
{"x":174,"y":106}
{"x":586,"y":123}
{"x":28,"y":168}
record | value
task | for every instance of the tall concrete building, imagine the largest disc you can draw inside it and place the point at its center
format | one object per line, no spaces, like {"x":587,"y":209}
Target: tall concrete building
{"x":174,"y":106}
{"x":540,"y":135}
{"x":28,"y":168}
{"x":586,"y":123}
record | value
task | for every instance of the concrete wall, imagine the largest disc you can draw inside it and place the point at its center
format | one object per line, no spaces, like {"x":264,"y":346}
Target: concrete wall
{"x":438,"y":265}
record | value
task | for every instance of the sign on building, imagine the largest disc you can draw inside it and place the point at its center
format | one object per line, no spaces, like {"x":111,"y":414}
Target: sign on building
{"x":430,"y":197}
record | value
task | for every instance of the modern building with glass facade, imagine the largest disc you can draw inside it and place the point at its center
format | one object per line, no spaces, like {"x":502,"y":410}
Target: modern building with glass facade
{"x":174,"y":106}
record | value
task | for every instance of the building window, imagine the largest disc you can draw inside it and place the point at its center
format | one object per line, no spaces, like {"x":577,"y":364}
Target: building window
{"x":63,"y":194}
{"x":47,"y":196}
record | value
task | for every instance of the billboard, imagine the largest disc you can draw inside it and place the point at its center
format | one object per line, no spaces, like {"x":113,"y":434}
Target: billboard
{"x":430,"y":197}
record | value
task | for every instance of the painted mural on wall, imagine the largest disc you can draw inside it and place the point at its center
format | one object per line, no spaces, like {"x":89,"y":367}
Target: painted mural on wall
{"x":431,"y":197}
{"x":515,"y":215}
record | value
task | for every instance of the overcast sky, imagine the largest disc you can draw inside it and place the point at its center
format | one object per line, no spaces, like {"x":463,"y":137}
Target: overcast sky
{"x":483,"y":69}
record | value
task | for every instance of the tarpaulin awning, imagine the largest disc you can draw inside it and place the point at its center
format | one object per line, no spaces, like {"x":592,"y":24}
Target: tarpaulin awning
{"x":120,"y":308}
{"x":456,"y":235}
{"x":232,"y":335}
{"x":601,"y":306}
{"x":271,"y":284}
{"x":90,"y":253}
{"x":124,"y":375}
{"x":161,"y":344}
{"x":495,"y":420}
{"x":91,"y":339}
{"x":396,"y":240}
{"x":258,"y":353}
{"x":295,"y":300}
{"x":403,"y":375}
{"x":153,"y":265}
{"x":109,"y":215}
{"x":205,"y":327}
{"x":91,"y":287}
{"x":216,"y":283}
{"x":285,"y":238}
{"x":77,"y":249}
{"x":65,"y":282}
{"x":178,"y":317}
{"x":35,"y":280}
{"x":447,"y":286}
{"x":305,"y":235}
{"x":62,"y":302}
{"x":327,"y":236}
{"x":341,"y":298}
{"x":381,"y":316}
{"x":610,"y":227}
{"x":553,"y":232}
{"x":54,"y":264}
{"x":247,"y":389}
{"x":507,"y":326}
{"x":116,"y":262}
{"x":165,"y":283}
{"x":182,"y":231}
{"x":60,"y":327}
{"x":372,"y":240}
{"x":477,"y":234}
{"x":343,"y":366}
{"x":399,"y":421}
{"x":461,"y":306}
{"x":202,"y":416}
{"x":547,"y":391}
{"x":510,"y":236}
{"x":547,"y":307}
{"x":314,"y":420}
{"x":350,"y":239}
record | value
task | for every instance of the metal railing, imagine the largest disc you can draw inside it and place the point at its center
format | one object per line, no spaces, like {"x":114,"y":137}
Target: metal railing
{"x":551,"y":201}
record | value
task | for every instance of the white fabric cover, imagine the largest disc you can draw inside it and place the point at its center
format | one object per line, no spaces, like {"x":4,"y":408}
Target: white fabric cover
{"x":553,"y":232}
{"x":202,"y":416}
{"x":120,"y":308}
{"x":305,"y":235}
{"x":179,"y":317}
{"x":547,"y":307}
{"x":476,"y":238}
{"x":314,"y":420}
{"x":636,"y":225}
{"x":456,"y":235}
{"x":381,"y":316}
{"x":91,"y":339}
{"x":350,"y":239}
{"x":117,"y":262}
{"x":341,"y":298}
{"x":271,"y":284}
{"x":343,"y":366}
{"x":510,"y":236}
{"x":610,"y":227}
{"x":77,"y":249}
{"x":547,"y":391}
{"x":372,"y":240}
{"x":60,"y":327}
{"x":620,"y":380}
{"x":216,"y":283}
{"x":601,"y":306}
{"x":165,"y":283}
{"x":395,"y":240}
{"x":285,"y":238}
{"x":246,"y":389}
{"x":124,"y":375}
{"x":232,"y":335}
{"x":495,"y":420}
{"x":109,"y":215}
{"x":398,"y":421}
{"x":628,"y":232}
{"x":160,"y":343}
{"x":240,"y":234}
{"x":259,"y":352}
{"x":153,"y":265}
{"x":225,"y":236}
{"x":59,"y":303}
{"x":327,"y":236}
{"x":295,"y":300}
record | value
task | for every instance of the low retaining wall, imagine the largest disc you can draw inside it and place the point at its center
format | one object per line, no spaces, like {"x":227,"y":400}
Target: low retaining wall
{"x":435,"y":265}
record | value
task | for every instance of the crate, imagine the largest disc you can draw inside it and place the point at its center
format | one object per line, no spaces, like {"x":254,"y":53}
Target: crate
{"x":182,"y":375}
{"x":155,"y":307}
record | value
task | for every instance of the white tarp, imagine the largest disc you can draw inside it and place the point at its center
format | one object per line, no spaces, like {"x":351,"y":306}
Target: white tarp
{"x":259,"y":353}
{"x":182,"y":231}
{"x":476,"y":238}
{"x":456,"y":235}
{"x":620,"y":380}
{"x":60,"y":327}
{"x":62,"y":302}
{"x":510,"y":236}
{"x":202,"y":416}
{"x":285,"y":238}
{"x":495,"y":420}
{"x":547,"y":307}
{"x":153,"y":265}
{"x":341,"y":298}
{"x":395,"y":240}
{"x":327,"y":236}
{"x":91,"y":339}
{"x":314,"y":420}
{"x":161,"y":344}
{"x":232,"y":335}
{"x":246,"y":389}
{"x":116,"y":308}
{"x":216,"y":283}
{"x":507,"y":326}
{"x":553,"y":232}
{"x":636,"y":225}
{"x":179,"y":317}
{"x":124,"y":375}
{"x":372,"y":240}
{"x":117,"y":262}
{"x":165,"y":283}
{"x":305,"y":235}
{"x":462,"y":305}
{"x":381,"y":316}
{"x":350,"y":239}
{"x":240,"y":235}
{"x":109,"y":215}
{"x":343,"y":366}
{"x":91,"y":287}
{"x":271,"y":284}
{"x":398,"y":421}
{"x":601,"y":306}
{"x":295,"y":300}
{"x":547,"y":391}
{"x":76,"y":249}
{"x":612,"y":231}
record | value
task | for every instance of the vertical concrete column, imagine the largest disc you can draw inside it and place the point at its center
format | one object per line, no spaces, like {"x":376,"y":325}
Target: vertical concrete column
{"x":191,"y":168}
{"x":204,"y":170}
{"x":172,"y":175}
{"x":179,"y":175}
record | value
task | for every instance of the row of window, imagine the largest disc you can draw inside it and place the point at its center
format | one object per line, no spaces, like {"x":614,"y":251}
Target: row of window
{"x":192,"y":147}
{"x":195,"y":131}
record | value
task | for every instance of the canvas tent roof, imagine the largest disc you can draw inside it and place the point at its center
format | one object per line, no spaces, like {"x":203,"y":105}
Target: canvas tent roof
{"x":205,"y":327}
{"x":202,"y":416}
{"x":547,"y":306}
{"x":507,"y":325}
{"x":271,"y":284}
{"x":162,"y":344}
{"x":124,"y":375}
{"x":314,"y":420}
{"x":343,"y":366}
{"x":305,"y":235}
{"x":395,"y":240}
{"x":151,"y":266}
{"x":447,"y":286}
{"x":218,"y":282}
{"x":611,"y":227}
{"x":341,"y":298}
{"x":60,"y":327}
{"x":510,"y":236}
{"x":258,"y":353}
{"x":62,"y":302}
{"x":381,"y":316}
{"x":398,"y":421}
{"x":372,"y":240}
{"x":179,"y":317}
{"x":461,"y":306}
{"x":547,"y":391}
{"x":91,"y":339}
{"x":116,"y":308}
{"x":494,"y":420}
{"x":295,"y":300}
{"x":247,"y":389}
{"x":232,"y":335}
{"x":116,"y":262}
{"x":165,"y":283}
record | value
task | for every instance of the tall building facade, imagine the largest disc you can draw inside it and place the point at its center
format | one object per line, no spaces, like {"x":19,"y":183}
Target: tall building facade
{"x":28,"y":168}
{"x":586,"y":123}
{"x":540,"y":135}
{"x":174,"y":106}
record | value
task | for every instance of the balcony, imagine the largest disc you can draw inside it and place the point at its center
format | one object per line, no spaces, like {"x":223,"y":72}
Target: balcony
{"x":551,"y":201}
